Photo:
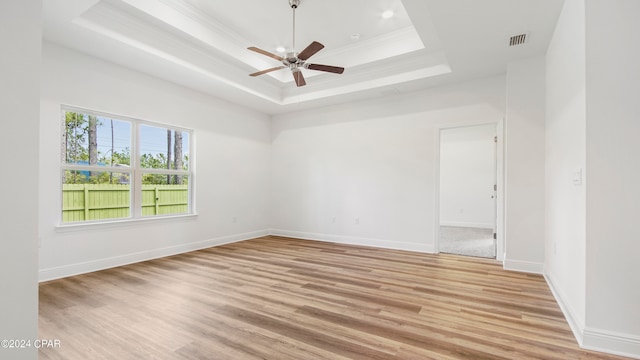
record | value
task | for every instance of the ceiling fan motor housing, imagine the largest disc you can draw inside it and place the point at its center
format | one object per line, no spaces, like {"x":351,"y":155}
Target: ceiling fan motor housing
{"x":291,"y":58}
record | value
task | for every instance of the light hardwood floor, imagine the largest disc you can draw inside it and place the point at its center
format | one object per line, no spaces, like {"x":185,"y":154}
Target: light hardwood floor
{"x":280,"y":298}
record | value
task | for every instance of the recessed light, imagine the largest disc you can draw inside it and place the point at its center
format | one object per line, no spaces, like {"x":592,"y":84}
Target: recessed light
{"x":355,"y":36}
{"x":387,"y":14}
{"x":281,"y":49}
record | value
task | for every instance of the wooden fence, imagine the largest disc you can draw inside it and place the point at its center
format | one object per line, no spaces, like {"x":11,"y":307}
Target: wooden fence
{"x":82,"y":202}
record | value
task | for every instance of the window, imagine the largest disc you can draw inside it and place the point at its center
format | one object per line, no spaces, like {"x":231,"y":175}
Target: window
{"x":114,"y":168}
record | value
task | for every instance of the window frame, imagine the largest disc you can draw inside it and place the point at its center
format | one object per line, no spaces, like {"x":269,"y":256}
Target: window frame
{"x":134,"y":170}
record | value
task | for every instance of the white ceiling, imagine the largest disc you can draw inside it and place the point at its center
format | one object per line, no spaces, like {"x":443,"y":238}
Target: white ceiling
{"x":202,"y":44}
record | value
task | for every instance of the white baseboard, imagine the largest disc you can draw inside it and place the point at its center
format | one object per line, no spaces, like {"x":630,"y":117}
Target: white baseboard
{"x":101,"y":264}
{"x":611,"y":342}
{"x":523,"y":266}
{"x":467,"y":224}
{"x":351,"y":240}
{"x":595,"y":339}
{"x":575,"y":323}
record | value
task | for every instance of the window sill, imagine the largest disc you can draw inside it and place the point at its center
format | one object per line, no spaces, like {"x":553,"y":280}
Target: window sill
{"x":116,"y":223}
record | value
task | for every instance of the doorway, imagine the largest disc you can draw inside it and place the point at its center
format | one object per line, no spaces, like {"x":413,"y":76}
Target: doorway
{"x":468,"y":191}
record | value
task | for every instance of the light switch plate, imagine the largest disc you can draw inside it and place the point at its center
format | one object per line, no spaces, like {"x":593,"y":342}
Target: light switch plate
{"x":577,"y":177}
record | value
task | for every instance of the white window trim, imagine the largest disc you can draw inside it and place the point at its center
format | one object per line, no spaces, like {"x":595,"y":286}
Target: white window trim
{"x":119,"y":222}
{"x":135,"y":171}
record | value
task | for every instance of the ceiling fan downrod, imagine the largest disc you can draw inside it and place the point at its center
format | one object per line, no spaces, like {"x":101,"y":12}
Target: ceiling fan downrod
{"x":294,"y":5}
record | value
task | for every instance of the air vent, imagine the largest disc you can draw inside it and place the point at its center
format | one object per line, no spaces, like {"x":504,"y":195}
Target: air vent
{"x":518,"y":39}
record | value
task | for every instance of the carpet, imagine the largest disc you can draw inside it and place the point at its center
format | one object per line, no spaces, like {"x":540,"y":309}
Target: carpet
{"x":467,"y":241}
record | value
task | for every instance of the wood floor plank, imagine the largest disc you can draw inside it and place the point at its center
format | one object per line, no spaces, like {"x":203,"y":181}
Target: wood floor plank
{"x":289,"y":299}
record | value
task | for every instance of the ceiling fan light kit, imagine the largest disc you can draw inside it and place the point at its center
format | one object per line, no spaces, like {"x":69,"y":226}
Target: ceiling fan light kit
{"x":297,"y":61}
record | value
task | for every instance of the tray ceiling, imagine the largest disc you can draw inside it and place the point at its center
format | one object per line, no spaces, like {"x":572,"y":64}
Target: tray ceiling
{"x":202,"y":44}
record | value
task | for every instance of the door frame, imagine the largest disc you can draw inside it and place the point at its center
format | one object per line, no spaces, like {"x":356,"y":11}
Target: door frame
{"x":500,"y":239}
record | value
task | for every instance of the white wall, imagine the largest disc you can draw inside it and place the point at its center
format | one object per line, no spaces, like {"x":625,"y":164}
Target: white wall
{"x":371,"y":166}
{"x":232,"y":165}
{"x":525,"y":165}
{"x":565,"y":154}
{"x":20,"y":34}
{"x":467,"y":176}
{"x":613,"y":163}
{"x":592,"y":124}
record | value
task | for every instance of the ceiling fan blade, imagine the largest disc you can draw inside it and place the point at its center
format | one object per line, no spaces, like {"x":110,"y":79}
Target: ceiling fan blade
{"x":267,"y":71}
{"x":297,"y":75}
{"x":308,"y":52}
{"x":266,"y":53}
{"x":327,"y":68}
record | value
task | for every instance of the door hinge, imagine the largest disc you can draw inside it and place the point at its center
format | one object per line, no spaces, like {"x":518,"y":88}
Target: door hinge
{"x":495,"y":236}
{"x":495,"y":139}
{"x":495,"y":187}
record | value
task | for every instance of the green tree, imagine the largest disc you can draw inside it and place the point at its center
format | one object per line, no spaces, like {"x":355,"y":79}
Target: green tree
{"x":122,"y":158}
{"x":74,"y":139}
{"x":168,"y":154}
{"x":92,"y":132}
{"x":153,"y":162}
{"x":117,"y":158}
{"x":177,"y":163}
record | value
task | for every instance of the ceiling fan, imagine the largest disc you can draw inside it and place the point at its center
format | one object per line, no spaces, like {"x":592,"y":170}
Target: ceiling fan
{"x":297,"y":61}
